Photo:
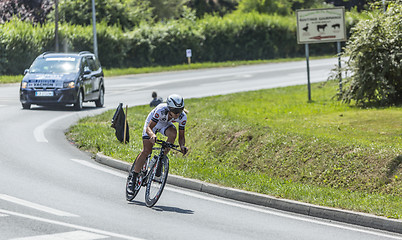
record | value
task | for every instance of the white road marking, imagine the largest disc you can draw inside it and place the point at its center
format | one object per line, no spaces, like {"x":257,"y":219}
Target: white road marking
{"x":3,"y":215}
{"x":36,"y":206}
{"x":76,"y":235}
{"x":244,"y":206}
{"x":39,"y":131}
{"x":111,"y":234}
{"x":100,"y":168}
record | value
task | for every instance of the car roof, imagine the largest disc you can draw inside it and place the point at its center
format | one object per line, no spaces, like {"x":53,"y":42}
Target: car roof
{"x":53,"y":54}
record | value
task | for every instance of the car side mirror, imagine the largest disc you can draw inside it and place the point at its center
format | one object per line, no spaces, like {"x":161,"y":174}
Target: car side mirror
{"x":26,"y":71}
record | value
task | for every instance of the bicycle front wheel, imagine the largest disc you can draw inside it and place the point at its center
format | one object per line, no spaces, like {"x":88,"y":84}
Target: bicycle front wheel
{"x":156,"y":183}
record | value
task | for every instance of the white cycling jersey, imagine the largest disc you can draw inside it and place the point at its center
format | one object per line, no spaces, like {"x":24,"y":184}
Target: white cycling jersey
{"x":160,"y":115}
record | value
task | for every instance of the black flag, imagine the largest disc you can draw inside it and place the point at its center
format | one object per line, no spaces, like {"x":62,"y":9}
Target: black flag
{"x":118,"y":123}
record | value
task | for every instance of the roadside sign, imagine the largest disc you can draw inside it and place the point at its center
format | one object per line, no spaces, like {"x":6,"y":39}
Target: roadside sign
{"x":188,"y":53}
{"x":321,"y":25}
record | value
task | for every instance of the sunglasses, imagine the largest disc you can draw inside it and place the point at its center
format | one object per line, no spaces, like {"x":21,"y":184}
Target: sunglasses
{"x":176,"y":110}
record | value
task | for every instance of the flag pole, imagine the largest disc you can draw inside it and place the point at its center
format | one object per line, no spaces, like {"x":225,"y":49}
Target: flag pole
{"x":125,"y":126}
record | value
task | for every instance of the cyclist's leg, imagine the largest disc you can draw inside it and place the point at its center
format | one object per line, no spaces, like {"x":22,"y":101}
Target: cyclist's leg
{"x":146,"y":150}
{"x":138,"y":163}
{"x":171,"y":134}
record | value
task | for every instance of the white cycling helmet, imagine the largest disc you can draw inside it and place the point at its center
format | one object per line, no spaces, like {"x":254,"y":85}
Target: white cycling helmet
{"x":175,"y":103}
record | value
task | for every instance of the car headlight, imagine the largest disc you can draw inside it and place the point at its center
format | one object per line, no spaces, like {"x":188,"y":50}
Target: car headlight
{"x":69,"y":84}
{"x":24,"y":85}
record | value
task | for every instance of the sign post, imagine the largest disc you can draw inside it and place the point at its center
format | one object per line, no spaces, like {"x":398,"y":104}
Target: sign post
{"x":189,"y":55}
{"x":308,"y":73}
{"x":338,"y":44}
{"x":320,"y":26}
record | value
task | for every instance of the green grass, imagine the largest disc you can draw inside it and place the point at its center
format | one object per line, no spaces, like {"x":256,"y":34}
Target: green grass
{"x":274,"y":142}
{"x":10,"y":78}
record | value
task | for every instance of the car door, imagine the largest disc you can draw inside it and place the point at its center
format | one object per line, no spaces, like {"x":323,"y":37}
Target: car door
{"x":86,"y":78}
{"x":96,"y":77}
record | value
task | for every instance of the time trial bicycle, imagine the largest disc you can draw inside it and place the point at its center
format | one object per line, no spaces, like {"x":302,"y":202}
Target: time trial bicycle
{"x":153,"y":175}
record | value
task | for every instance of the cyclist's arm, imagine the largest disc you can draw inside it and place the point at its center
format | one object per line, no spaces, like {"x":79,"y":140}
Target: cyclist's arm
{"x":149,"y":131}
{"x":182,"y":141}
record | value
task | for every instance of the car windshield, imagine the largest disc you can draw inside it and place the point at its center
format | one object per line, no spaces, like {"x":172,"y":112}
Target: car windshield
{"x":55,"y":65}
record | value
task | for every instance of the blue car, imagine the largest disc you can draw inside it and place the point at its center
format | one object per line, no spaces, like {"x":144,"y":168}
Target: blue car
{"x":63,"y":79}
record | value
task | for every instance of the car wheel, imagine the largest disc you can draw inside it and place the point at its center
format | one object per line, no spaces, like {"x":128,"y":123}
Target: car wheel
{"x":26,"y":105}
{"x":78,"y":103}
{"x":101,"y":99}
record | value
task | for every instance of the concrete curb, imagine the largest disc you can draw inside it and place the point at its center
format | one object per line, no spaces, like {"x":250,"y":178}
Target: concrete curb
{"x":356,"y":218}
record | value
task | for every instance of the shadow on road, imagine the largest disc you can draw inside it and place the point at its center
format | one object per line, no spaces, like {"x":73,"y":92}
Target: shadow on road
{"x":172,"y":209}
{"x":164,"y":208}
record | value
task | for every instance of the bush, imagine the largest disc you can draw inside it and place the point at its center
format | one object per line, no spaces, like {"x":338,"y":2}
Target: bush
{"x":125,"y":13}
{"x":375,"y":51}
{"x":236,"y":36}
{"x":171,"y":40}
{"x":21,"y":42}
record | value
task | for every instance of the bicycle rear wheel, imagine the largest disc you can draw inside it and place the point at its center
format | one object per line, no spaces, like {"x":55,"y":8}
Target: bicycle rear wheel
{"x":156,"y":184}
{"x":137,"y":185}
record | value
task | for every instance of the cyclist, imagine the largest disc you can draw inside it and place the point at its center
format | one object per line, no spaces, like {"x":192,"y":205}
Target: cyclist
{"x":161,"y":119}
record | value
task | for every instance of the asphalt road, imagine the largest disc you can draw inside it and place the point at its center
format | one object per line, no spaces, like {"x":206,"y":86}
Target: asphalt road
{"x":51,"y":190}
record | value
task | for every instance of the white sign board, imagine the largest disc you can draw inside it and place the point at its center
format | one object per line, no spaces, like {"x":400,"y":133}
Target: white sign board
{"x":321,"y":25}
{"x":188,"y":53}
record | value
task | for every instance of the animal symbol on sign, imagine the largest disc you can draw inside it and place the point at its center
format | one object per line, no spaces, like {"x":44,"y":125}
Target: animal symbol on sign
{"x":336,"y":25}
{"x":323,"y":26}
{"x":306,"y":27}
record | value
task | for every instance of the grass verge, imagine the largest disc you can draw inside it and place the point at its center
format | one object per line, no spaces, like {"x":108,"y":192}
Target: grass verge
{"x":274,"y":142}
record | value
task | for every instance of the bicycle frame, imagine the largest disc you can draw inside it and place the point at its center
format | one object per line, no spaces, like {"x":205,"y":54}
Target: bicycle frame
{"x":147,"y":176}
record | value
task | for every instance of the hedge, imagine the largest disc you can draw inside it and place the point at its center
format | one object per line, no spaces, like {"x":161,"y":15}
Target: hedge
{"x":234,"y":37}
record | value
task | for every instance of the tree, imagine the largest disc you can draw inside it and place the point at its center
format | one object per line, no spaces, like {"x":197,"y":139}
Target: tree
{"x":126,"y":13}
{"x":165,"y":10}
{"x":281,"y":7}
{"x":34,"y":11}
{"x":221,"y":7}
{"x":375,"y":59}
{"x":359,"y":4}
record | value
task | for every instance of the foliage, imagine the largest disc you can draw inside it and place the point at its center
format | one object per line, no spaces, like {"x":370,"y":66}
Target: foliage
{"x":221,"y":7}
{"x":235,"y":36}
{"x":248,"y":36}
{"x":34,"y":11}
{"x":127,"y":14}
{"x":166,"y":10}
{"x":20,"y":43}
{"x":124,"y":13}
{"x":375,"y":59}
{"x":281,"y":7}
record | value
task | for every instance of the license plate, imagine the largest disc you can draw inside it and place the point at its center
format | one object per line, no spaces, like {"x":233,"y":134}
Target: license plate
{"x":44,"y":94}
